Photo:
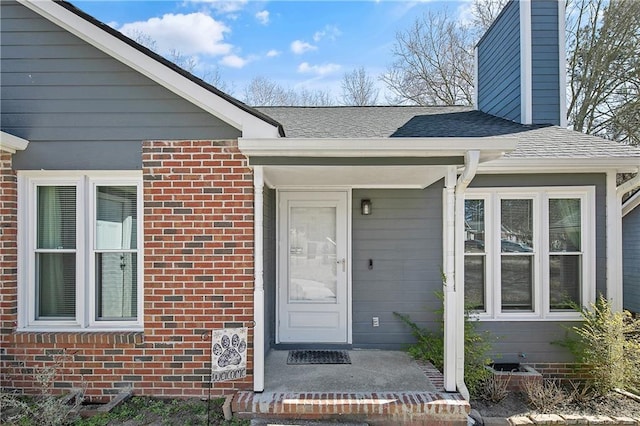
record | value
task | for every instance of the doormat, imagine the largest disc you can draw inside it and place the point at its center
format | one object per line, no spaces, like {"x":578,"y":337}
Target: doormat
{"x":300,"y":357}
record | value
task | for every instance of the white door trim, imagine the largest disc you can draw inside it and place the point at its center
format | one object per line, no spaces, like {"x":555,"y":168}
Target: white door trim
{"x":349,"y":257}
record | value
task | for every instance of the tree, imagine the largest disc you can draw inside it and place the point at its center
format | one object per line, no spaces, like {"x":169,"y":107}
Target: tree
{"x":358,"y":88}
{"x":603,"y":45}
{"x":433,"y":64}
{"x":484,"y":12}
{"x":262,"y":91}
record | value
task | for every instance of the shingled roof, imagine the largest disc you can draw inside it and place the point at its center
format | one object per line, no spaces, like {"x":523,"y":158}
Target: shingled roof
{"x":536,"y":141}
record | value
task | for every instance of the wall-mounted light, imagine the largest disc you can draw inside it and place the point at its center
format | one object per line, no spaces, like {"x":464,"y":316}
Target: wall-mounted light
{"x":365,"y":207}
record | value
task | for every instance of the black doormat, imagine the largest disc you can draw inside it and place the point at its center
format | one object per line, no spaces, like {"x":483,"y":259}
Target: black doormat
{"x":299,"y":357}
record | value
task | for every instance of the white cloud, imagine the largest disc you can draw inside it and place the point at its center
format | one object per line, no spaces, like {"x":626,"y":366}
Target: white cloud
{"x":192,"y":34}
{"x":299,"y":47}
{"x":234,"y":61}
{"x":273,"y":53}
{"x":320,"y":70}
{"x":263,"y":17}
{"x":330,"y":32}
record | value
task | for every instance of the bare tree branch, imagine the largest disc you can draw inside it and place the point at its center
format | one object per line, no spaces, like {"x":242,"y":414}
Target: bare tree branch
{"x":358,"y":88}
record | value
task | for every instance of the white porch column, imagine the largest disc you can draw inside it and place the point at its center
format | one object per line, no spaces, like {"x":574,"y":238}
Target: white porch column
{"x":258,"y":290}
{"x":450,"y":311}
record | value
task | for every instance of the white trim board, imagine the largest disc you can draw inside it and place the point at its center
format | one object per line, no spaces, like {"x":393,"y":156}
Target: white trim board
{"x":630,"y":204}
{"x":10,"y":143}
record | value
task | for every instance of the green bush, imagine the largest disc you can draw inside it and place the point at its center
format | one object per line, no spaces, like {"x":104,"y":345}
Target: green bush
{"x":429,"y":346}
{"x":608,"y":344}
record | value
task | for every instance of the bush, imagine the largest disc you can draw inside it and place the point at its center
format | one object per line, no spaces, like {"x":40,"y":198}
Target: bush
{"x":45,"y":409}
{"x":609,"y":345}
{"x":429,"y":346}
{"x":543,"y":395}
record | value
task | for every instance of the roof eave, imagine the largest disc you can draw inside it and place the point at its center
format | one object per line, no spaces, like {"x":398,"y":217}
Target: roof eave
{"x":490,"y":148}
{"x":10,"y":143}
{"x":250,"y":122}
{"x":561,"y":165}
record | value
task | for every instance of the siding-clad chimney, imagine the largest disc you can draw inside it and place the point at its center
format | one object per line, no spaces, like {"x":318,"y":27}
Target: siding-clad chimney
{"x":521,"y":73}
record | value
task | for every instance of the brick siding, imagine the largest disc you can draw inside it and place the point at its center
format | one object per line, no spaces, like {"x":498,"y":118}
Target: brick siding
{"x":8,"y":246}
{"x":198,"y":276}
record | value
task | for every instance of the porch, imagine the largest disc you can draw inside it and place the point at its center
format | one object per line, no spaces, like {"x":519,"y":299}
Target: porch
{"x":379,"y":387}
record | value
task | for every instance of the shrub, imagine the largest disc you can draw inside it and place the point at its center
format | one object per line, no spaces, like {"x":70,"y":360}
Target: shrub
{"x":45,"y":409}
{"x":429,"y":346}
{"x":609,"y":345}
{"x":543,"y":395}
{"x":495,"y":388}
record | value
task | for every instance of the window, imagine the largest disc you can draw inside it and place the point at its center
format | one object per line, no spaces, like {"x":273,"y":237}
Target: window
{"x":80,"y":250}
{"x":529,"y":252}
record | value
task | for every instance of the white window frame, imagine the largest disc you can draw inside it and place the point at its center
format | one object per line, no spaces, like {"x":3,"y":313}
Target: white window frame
{"x":86,"y":183}
{"x":540,"y":195}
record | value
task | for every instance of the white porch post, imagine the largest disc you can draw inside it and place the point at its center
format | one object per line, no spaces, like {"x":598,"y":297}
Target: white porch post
{"x":258,"y":290}
{"x":450,"y":312}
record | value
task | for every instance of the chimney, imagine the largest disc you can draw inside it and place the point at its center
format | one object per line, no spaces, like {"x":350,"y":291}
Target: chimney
{"x":521,"y":64}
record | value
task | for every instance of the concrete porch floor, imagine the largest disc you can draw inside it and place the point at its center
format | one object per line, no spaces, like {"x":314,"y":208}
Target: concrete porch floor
{"x":379,"y":387}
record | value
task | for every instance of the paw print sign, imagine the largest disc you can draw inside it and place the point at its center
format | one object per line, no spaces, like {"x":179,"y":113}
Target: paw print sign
{"x":228,"y":354}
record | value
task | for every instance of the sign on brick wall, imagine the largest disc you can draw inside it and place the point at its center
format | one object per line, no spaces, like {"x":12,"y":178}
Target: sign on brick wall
{"x":228,"y":354}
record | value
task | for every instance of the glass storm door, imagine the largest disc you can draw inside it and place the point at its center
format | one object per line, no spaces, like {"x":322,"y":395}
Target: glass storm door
{"x":312,"y":289}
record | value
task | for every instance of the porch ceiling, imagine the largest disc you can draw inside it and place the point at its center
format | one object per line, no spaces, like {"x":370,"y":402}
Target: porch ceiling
{"x":419,"y":176}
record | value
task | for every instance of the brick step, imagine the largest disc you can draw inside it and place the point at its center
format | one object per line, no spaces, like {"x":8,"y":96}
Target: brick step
{"x":379,"y":408}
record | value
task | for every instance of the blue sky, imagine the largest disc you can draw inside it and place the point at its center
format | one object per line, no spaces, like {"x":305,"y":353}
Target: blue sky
{"x":299,"y":44}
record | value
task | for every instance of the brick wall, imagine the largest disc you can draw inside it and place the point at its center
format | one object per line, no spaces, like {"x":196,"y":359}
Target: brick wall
{"x":198,"y":276}
{"x":8,"y":246}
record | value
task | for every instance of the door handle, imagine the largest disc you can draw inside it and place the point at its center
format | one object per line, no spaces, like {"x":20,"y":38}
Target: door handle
{"x":344,"y":264}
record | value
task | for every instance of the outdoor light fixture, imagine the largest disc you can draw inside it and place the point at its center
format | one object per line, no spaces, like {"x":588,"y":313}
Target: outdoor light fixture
{"x":365,"y":207}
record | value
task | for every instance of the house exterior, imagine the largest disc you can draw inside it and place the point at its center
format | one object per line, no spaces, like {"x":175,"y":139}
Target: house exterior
{"x":631,"y":253}
{"x":143,"y":210}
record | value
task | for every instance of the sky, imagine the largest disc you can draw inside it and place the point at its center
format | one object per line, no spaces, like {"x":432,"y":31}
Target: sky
{"x":298,"y":44}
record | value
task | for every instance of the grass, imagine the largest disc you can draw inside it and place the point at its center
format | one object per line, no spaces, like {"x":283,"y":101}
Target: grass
{"x":145,"y":410}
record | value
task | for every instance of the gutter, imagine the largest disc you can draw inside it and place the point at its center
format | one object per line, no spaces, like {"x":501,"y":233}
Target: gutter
{"x":471,"y":160}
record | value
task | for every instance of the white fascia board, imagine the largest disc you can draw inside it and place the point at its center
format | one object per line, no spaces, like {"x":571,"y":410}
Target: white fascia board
{"x":375,"y":147}
{"x":561,"y":165}
{"x":526,"y":79}
{"x":11,"y":144}
{"x":249,"y":124}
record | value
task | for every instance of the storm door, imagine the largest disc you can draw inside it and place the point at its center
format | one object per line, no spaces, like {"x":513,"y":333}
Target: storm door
{"x":312,"y":279}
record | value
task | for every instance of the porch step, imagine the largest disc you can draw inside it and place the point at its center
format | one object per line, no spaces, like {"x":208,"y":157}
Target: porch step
{"x":377,"y":408}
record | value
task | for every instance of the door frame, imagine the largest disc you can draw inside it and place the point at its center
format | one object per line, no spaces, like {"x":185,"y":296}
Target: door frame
{"x":279,"y":250}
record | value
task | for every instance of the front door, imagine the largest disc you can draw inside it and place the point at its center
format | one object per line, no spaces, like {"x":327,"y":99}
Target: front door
{"x":312,"y":279}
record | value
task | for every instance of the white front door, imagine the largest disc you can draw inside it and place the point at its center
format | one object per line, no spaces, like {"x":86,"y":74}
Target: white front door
{"x":312,"y":279}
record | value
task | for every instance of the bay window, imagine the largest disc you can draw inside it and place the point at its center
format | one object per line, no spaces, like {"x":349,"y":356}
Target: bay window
{"x":80,"y":250}
{"x":536,"y":255}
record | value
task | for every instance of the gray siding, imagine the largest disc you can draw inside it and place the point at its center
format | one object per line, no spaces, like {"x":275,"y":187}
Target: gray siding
{"x":545,"y":56}
{"x":534,"y":337}
{"x":631,"y":260}
{"x":403,"y":238}
{"x":537,"y":340}
{"x":80,"y":108}
{"x":499,"y":66}
{"x":269,"y":262}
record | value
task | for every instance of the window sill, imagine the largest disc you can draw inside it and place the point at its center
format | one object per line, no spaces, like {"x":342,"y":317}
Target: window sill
{"x":71,"y":336}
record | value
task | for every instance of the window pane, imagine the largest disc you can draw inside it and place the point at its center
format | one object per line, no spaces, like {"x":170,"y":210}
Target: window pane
{"x":474,"y":226}
{"x":56,"y":285}
{"x":565,"y":278}
{"x":516,"y":226}
{"x":116,"y":281}
{"x":56,"y":217}
{"x":564,"y":225}
{"x":312,"y":254}
{"x":517,"y":283}
{"x":474,"y":282}
{"x":116,"y":217}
